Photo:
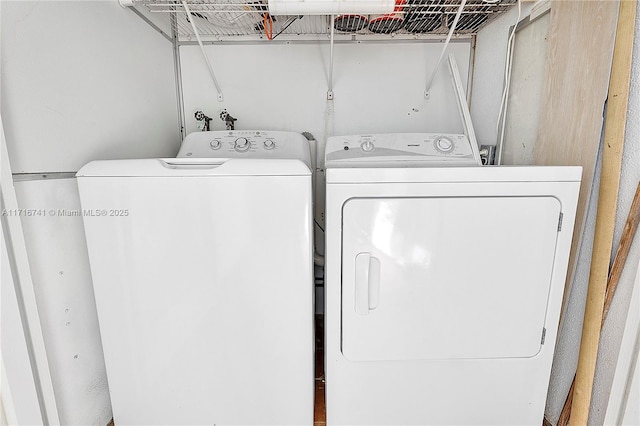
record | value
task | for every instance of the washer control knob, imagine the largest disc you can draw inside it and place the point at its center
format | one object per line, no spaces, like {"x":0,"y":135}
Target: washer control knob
{"x":242,"y":144}
{"x":444,"y":144}
{"x":269,"y":144}
{"x":215,"y":144}
{"x":367,"y":146}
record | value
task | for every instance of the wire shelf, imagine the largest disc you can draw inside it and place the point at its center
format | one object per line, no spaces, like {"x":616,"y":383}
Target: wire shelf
{"x":229,"y":19}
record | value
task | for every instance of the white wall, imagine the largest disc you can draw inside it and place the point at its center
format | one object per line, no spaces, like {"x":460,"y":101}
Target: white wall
{"x":526,"y":88}
{"x":3,"y":415}
{"x":378,"y":87}
{"x":80,"y":80}
{"x":488,"y":71}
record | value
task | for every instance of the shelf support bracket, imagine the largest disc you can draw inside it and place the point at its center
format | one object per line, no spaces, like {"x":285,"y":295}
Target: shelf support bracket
{"x":427,"y":90}
{"x":330,"y":91}
{"x":128,"y":4}
{"x":204,"y":52}
{"x":177,"y":70}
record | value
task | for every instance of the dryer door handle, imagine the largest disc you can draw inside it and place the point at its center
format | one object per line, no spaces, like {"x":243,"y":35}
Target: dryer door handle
{"x":367,"y":282}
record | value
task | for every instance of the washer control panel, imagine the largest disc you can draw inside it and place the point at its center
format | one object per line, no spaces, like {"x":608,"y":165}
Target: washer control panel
{"x":259,"y":144}
{"x":400,"y":150}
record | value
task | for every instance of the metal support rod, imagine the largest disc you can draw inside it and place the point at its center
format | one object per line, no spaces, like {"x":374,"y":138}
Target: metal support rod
{"x":204,"y":53}
{"x":26,"y":177}
{"x":330,"y":91}
{"x":178,"y":75}
{"x":444,"y":48}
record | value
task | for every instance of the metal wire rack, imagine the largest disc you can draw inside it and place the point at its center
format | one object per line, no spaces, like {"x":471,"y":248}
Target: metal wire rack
{"x":225,"y":19}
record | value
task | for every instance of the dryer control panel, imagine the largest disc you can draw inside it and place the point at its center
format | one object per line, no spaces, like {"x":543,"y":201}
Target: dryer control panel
{"x":260,"y":144}
{"x":401,"y":150}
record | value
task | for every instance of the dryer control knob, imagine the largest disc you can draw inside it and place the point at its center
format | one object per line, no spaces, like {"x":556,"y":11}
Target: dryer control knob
{"x":367,"y":146}
{"x":269,"y":144}
{"x":215,"y":144}
{"x":444,"y":144}
{"x":242,"y":144}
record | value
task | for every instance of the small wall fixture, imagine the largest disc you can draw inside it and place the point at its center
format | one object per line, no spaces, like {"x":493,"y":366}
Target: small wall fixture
{"x":330,"y":7}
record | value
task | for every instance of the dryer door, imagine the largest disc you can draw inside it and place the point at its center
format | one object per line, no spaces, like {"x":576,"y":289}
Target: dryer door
{"x":446,"y":278}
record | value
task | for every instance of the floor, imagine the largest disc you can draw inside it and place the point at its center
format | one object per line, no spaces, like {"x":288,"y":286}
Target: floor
{"x":319,"y":407}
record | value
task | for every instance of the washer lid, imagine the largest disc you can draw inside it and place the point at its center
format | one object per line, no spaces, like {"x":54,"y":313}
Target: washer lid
{"x":194,"y":167}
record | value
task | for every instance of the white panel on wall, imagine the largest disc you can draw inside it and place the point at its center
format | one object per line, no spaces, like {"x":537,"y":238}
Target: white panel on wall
{"x":18,"y":386}
{"x":64,"y":292}
{"x":378,"y":86}
{"x":84,"y":80}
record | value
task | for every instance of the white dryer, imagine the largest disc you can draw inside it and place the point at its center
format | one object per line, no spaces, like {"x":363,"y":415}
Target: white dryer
{"x":202,"y":271}
{"x":443,"y":284}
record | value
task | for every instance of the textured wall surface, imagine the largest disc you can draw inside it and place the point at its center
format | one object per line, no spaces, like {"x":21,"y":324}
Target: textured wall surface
{"x":614,"y":326}
{"x":569,"y":338}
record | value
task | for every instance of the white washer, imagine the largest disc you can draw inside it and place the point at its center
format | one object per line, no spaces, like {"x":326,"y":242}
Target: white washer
{"x":443,"y":284}
{"x":202,"y":271}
